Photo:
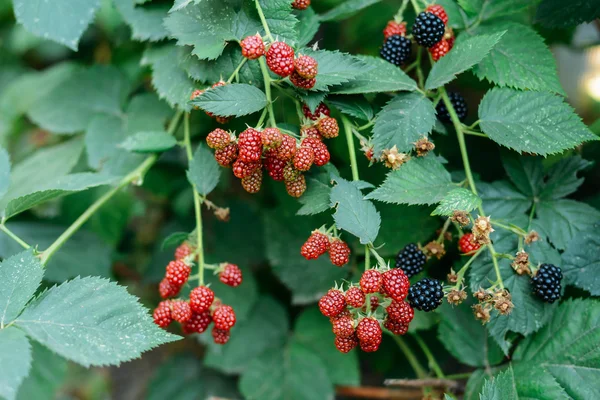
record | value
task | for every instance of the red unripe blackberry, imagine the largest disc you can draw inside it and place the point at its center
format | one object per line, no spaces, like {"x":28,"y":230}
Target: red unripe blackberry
{"x":166,"y":289}
{"x":275,"y":167}
{"x":252,"y":47}
{"x":178,"y":272}
{"x":320,"y":150}
{"x":303,"y":159}
{"x":310,"y":132}
{"x":400,"y":311}
{"x":328,"y":127}
{"x":355,"y":297}
{"x":250,"y":145}
{"x":467,"y":244}
{"x":297,"y":187}
{"x":287,"y":148}
{"x":370,"y":281}
{"x":374,"y":300}
{"x":345,"y":344}
{"x":395,"y":283}
{"x":280,"y":59}
{"x":368,"y":331}
{"x":301,"y":82}
{"x":227,"y":155}
{"x":220,"y":336}
{"x":439,"y":12}
{"x":300,"y":4}
{"x":439,"y":50}
{"x":370,"y":347}
{"x":315,"y":246}
{"x":183,"y":250}
{"x":224,"y":317}
{"x":244,"y":169}
{"x":289,"y":172}
{"x":201,"y":298}
{"x":343,"y":326}
{"x":394,"y":28}
{"x":162,"y":314}
{"x":181,"y":311}
{"x":271,"y":138}
{"x":231,"y":275}
{"x":339,"y":252}
{"x":428,"y":29}
{"x":397,"y":328}
{"x":197,"y":323}
{"x":321,"y":110}
{"x":253,"y":183}
{"x":306,"y":67}
{"x":332,"y":303}
{"x":218,"y":139}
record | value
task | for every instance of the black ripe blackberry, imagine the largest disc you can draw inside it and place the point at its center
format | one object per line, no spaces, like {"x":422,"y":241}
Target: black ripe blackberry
{"x":411,"y":260}
{"x":396,"y":49}
{"x":459,"y":104}
{"x":546,"y":283}
{"x":428,"y":29}
{"x":426,"y":295}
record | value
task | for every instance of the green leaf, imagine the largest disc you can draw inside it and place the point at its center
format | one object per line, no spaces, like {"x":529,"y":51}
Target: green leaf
{"x":15,"y":361}
{"x":174,"y":240}
{"x":562,"y":178}
{"x":335,"y":68}
{"x":246,"y":22}
{"x":168,"y":78}
{"x":502,"y":386}
{"x":532,"y":122}
{"x":465,"y":338}
{"x":526,"y":172}
{"x":316,"y":198}
{"x":313,"y":331}
{"x":457,"y":200}
{"x":48,"y":371}
{"x":404,"y":120}
{"x":555,"y":13}
{"x":490,"y":9}
{"x":236,"y":99}
{"x":61,"y":21}
{"x":204,"y":172}
{"x":422,"y":180}
{"x":71,"y":106}
{"x":146,"y":23}
{"x":4,"y":172}
{"x":149,"y":142}
{"x":378,"y":76}
{"x":465,"y":54}
{"x":206,"y":25}
{"x":353,"y":213}
{"x":475,"y":385}
{"x":501,"y":199}
{"x":280,"y":19}
{"x":292,"y":373}
{"x":581,"y":265}
{"x":562,"y":220}
{"x":92,"y":321}
{"x":266,"y":328}
{"x":179,"y":4}
{"x":20,"y":275}
{"x":354,"y":106}
{"x":346,"y":9}
{"x":308,"y":27}
{"x":520,"y":60}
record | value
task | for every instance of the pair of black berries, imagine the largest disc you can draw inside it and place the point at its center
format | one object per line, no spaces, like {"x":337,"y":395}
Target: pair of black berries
{"x":427,"y":294}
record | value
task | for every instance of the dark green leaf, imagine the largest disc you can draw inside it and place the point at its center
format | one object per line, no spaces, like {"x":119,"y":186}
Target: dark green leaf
{"x":4,"y":171}
{"x":562,"y":220}
{"x":562,"y":178}
{"x":174,"y":240}
{"x":280,"y":19}
{"x":146,"y":22}
{"x":149,"y":142}
{"x":204,"y":172}
{"x":581,"y":264}
{"x":354,"y":106}
{"x":526,"y":172}
{"x":457,"y":200}
{"x":335,"y":68}
{"x":501,"y":199}
{"x":378,"y":76}
{"x":20,"y":275}
{"x":558,"y":14}
{"x":15,"y":361}
{"x":236,"y":99}
{"x":308,"y":27}
{"x":490,"y":9}
{"x":48,"y":371}
{"x":316,"y":198}
{"x":346,"y":9}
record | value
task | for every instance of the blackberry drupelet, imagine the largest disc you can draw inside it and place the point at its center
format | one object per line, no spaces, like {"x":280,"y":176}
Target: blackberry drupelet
{"x":426,"y":295}
{"x":428,"y":29}
{"x":396,"y":49}
{"x":459,"y":104}
{"x":546,"y":283}
{"x":411,"y":260}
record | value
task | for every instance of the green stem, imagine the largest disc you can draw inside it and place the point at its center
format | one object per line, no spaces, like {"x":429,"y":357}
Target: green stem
{"x":237,"y":70}
{"x":399,"y":15}
{"x":420,"y":77}
{"x":415,"y":6}
{"x":410,"y":356}
{"x":430,"y":358}
{"x":474,"y":133}
{"x":531,"y":215}
{"x":351,"y":149}
{"x":379,"y":259}
{"x":367,"y":125}
{"x":463,"y":270}
{"x":496,"y":265}
{"x":263,"y":20}
{"x":267,"y":81}
{"x":367,"y":258}
{"x":14,"y":237}
{"x":444,"y":229}
{"x":262,"y":118}
{"x":515,"y":230}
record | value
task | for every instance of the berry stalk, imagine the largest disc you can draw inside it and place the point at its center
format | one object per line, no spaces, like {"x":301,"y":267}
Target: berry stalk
{"x":430,"y":358}
{"x":237,"y":69}
{"x":14,"y":237}
{"x":351,"y":148}
{"x":463,"y":270}
{"x":267,"y":81}
{"x":410,"y":356}
{"x":263,"y":20}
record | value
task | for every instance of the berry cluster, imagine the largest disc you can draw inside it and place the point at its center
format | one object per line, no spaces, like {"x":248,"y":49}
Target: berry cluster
{"x":358,"y":322}
{"x":411,"y":259}
{"x":196,"y":313}
{"x":320,"y":243}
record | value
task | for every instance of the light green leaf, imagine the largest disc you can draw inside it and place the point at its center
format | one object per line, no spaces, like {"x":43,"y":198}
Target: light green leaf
{"x":562,"y":220}
{"x":457,"y":200}
{"x":335,"y":68}
{"x":292,"y":373}
{"x":307,"y":27}
{"x":553,"y":13}
{"x":562,"y":178}
{"x":280,"y":19}
{"x":404,"y":120}
{"x":354,"y":106}
{"x":526,"y":172}
{"x":346,"y":9}
{"x":501,"y":199}
{"x":236,"y":99}
{"x":353,"y":213}
{"x":520,"y":60}
{"x":379,"y":76}
{"x":502,"y":386}
{"x":4,"y":172}
{"x":174,"y":240}
{"x":313,"y":331}
{"x":490,"y":9}
{"x":179,"y":4}
{"x":422,"y":180}
{"x":204,"y":172}
{"x":146,"y":22}
{"x":20,"y":275}
{"x":62,"y":21}
{"x":15,"y":361}
{"x":206,"y":25}
{"x":149,"y":142}
{"x":71,"y":106}
{"x":534,"y":122}
{"x":92,"y":321}
{"x":581,"y":264}
{"x":48,"y":371}
{"x":465,"y":54}
{"x":316,"y":198}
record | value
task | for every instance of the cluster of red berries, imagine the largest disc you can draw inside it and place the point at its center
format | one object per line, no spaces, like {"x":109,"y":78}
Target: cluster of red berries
{"x":300,"y":4}
{"x":358,"y":322}
{"x":196,"y":314}
{"x":198,"y":92}
{"x":320,"y":243}
{"x":283,"y":157}
{"x":280,"y":56}
{"x":467,"y":244}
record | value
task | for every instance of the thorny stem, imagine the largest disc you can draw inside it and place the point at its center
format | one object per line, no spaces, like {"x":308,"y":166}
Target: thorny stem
{"x":430,"y":358}
{"x":14,"y":237}
{"x":351,"y":149}
{"x":267,"y":81}
{"x":197,"y":202}
{"x":237,"y":70}
{"x":263,"y":20}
